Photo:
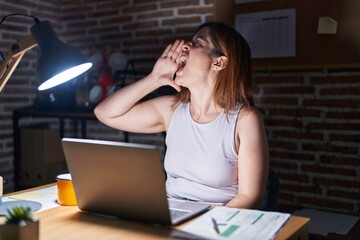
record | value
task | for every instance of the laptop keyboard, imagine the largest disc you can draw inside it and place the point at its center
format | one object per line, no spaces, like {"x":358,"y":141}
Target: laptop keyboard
{"x":175,"y":214}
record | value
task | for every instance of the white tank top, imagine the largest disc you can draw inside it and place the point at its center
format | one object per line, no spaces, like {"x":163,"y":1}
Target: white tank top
{"x":201,"y":159}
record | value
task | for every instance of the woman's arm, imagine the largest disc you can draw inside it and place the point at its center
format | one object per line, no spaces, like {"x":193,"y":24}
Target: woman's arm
{"x":122,"y":109}
{"x":253,"y":160}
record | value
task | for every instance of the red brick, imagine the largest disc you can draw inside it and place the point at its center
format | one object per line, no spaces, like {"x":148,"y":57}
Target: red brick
{"x":332,"y":182}
{"x":140,"y":25}
{"x":294,"y":112}
{"x":187,"y":30}
{"x":7,"y":9}
{"x":103,"y":30}
{"x":355,"y":195}
{"x":286,"y":101}
{"x":116,"y":36}
{"x":298,"y":80}
{"x":294,"y":177}
{"x":13,"y":27}
{"x":282,"y":165}
{"x":328,"y":170}
{"x":340,"y":91}
{"x":155,"y":15}
{"x":354,"y":115}
{"x":139,"y":9}
{"x":195,"y":10}
{"x":283,"y":122}
{"x":180,"y":21}
{"x":299,"y":135}
{"x":112,"y":4}
{"x":300,"y":188}
{"x":73,"y":10}
{"x":344,"y":161}
{"x":74,"y":32}
{"x":345,"y":137}
{"x":152,"y":33}
{"x":176,"y":4}
{"x":329,"y":148}
{"x":334,"y":80}
{"x":81,"y":24}
{"x":326,"y":203}
{"x":344,"y":103}
{"x":115,"y":20}
{"x":289,"y":90}
{"x":282,"y":144}
{"x":104,"y":13}
{"x":291,"y":155}
{"x":332,"y":126}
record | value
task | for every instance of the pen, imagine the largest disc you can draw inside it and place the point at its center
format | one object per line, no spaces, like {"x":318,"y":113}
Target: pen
{"x":215,"y":225}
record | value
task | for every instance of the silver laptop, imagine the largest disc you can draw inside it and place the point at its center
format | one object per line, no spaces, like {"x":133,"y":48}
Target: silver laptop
{"x":125,"y":180}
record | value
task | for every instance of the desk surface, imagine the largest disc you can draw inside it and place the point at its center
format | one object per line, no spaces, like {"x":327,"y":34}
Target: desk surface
{"x":70,"y":223}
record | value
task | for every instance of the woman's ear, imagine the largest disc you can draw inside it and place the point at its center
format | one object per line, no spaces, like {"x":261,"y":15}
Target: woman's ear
{"x":219,"y":63}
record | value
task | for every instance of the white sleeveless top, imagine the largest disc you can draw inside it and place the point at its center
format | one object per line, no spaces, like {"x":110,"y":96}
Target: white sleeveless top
{"x":201,"y":159}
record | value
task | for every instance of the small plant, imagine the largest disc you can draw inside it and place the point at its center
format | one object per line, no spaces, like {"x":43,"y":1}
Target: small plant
{"x":18,"y":213}
{"x":19,"y":225}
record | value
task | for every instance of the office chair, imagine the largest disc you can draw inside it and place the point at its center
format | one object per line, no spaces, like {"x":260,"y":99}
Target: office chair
{"x":272,"y":190}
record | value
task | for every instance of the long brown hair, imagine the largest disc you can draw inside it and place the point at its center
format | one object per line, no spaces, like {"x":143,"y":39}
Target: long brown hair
{"x":234,"y":83}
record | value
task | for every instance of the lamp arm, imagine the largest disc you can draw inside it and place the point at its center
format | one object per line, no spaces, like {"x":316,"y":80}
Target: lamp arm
{"x":16,"y":52}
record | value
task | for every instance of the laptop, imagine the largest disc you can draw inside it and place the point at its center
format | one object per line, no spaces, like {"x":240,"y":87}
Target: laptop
{"x":124,"y":180}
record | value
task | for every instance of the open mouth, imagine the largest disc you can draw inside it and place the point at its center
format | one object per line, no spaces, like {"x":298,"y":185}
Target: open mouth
{"x":181,"y":65}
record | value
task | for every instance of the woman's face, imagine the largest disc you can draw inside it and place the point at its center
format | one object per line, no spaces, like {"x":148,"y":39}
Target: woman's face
{"x":196,"y":59}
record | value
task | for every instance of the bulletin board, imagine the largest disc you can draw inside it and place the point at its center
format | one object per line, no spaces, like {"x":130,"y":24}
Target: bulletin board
{"x":313,"y":50}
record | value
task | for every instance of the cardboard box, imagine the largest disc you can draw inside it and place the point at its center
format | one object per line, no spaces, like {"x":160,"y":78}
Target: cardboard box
{"x":42,"y":157}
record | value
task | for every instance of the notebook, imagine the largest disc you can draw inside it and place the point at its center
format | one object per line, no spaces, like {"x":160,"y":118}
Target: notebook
{"x":124,"y":180}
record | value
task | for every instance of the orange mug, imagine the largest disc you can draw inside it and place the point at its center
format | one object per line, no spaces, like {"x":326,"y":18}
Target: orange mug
{"x":65,"y":190}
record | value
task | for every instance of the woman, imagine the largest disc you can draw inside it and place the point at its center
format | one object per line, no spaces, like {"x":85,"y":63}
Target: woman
{"x":216,"y":143}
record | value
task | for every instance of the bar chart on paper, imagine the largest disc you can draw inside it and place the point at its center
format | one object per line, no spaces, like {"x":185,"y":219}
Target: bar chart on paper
{"x":233,"y":223}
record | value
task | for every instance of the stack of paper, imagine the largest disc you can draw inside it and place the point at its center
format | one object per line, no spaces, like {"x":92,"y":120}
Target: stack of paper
{"x":232,"y":223}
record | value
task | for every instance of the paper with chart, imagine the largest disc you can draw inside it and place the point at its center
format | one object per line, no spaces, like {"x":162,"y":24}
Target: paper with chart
{"x":47,"y":197}
{"x":270,"y":33}
{"x":233,"y":223}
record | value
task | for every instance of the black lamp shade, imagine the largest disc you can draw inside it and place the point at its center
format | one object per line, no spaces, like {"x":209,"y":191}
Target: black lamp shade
{"x":57,"y":62}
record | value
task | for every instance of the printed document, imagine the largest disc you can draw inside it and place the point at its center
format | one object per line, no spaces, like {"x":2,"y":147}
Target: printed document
{"x":233,"y":223}
{"x":47,"y":197}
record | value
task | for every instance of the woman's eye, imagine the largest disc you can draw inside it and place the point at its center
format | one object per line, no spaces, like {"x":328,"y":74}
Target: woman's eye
{"x":195,"y":44}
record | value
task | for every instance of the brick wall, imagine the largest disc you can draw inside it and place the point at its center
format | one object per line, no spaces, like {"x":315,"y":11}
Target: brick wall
{"x":312,"y":120}
{"x":312,"y":117}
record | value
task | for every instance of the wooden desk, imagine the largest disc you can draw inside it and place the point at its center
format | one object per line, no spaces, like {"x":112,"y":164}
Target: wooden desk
{"x":70,"y":223}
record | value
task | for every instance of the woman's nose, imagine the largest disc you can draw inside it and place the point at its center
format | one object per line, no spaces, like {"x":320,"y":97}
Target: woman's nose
{"x":186,"y":46}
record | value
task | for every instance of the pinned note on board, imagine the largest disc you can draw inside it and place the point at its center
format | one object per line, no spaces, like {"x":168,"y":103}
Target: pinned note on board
{"x":327,"y":25}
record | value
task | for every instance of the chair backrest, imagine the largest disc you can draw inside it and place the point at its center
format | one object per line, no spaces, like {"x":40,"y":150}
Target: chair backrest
{"x":272,"y":190}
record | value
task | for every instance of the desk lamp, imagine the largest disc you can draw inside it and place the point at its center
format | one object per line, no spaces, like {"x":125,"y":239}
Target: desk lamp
{"x":57,"y":62}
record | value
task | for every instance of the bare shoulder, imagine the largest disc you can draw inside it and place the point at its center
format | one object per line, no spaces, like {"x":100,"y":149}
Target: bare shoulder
{"x":249,"y":117}
{"x":164,"y":103}
{"x":251,"y":131}
{"x":249,"y":113}
{"x":165,"y":106}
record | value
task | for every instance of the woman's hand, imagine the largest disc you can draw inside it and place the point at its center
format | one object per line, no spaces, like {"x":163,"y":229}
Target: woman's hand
{"x":167,"y":65}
